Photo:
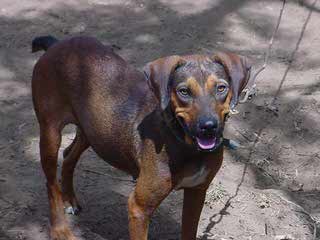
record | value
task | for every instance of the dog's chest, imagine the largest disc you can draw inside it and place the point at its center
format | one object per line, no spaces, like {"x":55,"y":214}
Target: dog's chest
{"x":192,"y":180}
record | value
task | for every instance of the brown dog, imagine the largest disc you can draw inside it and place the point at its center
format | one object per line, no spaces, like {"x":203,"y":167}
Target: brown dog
{"x":169,"y":137}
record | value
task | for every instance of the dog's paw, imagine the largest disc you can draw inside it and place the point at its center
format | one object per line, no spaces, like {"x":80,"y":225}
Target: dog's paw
{"x":71,"y":205}
{"x":61,"y":233}
{"x":72,"y":210}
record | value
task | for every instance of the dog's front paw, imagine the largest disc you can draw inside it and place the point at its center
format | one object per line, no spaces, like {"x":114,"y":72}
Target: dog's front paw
{"x":61,"y":233}
{"x":71,"y":206}
{"x":72,"y":210}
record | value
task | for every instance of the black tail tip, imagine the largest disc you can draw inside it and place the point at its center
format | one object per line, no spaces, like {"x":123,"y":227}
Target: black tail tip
{"x":43,"y":43}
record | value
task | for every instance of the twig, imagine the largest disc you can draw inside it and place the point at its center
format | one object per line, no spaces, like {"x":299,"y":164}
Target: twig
{"x":247,"y":138}
{"x":267,"y":54}
{"x":7,"y":201}
{"x":299,"y":209}
{"x":107,"y":175}
{"x":293,"y":53}
{"x":265,"y":229}
{"x":250,"y":90}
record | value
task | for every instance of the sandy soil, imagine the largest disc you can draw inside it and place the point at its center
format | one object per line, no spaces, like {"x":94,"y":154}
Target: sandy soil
{"x":267,"y":189}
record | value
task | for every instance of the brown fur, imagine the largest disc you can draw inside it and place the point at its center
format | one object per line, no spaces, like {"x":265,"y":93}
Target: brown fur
{"x":83,"y":82}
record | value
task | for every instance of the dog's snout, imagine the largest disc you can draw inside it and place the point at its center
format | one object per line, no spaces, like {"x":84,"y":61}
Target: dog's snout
{"x":207,"y":126}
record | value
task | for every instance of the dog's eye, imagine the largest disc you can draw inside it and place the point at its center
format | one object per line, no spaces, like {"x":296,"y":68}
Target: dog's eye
{"x":185,"y":92}
{"x":221,"y":88}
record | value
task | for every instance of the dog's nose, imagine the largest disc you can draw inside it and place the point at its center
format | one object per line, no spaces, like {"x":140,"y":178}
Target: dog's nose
{"x":208,"y":126}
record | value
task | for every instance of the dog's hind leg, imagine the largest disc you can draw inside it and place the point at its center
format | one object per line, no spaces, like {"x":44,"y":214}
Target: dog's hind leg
{"x":50,"y":140}
{"x":67,"y":150}
{"x":71,"y":156}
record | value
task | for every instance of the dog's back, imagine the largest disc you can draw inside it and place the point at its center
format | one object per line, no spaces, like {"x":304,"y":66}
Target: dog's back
{"x":91,"y":86}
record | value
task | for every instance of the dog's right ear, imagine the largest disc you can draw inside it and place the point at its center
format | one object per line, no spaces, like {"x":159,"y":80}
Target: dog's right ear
{"x":239,"y":69}
{"x":158,"y":74}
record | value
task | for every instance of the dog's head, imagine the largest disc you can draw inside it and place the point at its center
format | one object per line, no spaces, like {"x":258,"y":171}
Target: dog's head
{"x":199,"y":90}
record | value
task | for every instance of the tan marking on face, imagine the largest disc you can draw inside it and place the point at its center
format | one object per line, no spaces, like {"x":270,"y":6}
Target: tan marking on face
{"x":183,"y":111}
{"x":210,"y":83}
{"x":194,"y":86}
{"x":188,"y":112}
{"x":223,"y":108}
{"x":188,"y":139}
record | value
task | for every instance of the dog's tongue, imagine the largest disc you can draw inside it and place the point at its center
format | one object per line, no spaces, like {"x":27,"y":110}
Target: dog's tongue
{"x":206,"y":143}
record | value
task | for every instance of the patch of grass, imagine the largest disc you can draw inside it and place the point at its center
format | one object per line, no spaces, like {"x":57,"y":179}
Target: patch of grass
{"x":215,"y":193}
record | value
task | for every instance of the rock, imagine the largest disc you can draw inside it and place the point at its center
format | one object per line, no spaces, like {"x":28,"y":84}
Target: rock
{"x":284,"y":237}
{"x":79,"y":28}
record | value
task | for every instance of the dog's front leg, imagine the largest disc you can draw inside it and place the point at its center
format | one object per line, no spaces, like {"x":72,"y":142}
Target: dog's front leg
{"x":153,"y":185}
{"x":194,"y":199}
{"x":192,"y":206}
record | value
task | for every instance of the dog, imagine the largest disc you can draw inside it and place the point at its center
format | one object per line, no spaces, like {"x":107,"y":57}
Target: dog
{"x":163,"y":125}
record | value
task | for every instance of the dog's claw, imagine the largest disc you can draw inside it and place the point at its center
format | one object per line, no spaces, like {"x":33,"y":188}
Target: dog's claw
{"x":72,"y":210}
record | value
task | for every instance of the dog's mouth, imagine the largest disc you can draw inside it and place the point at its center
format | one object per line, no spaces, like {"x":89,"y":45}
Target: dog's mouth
{"x":206,"y":143}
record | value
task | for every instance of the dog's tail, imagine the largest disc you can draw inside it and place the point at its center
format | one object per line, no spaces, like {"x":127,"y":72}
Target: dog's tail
{"x":43,"y":43}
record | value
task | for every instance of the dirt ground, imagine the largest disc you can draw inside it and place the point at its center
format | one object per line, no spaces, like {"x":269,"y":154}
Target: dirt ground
{"x":267,"y":189}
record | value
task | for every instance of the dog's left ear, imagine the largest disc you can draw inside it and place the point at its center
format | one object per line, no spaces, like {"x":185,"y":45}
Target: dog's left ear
{"x":159,"y":73}
{"x":238,"y":68}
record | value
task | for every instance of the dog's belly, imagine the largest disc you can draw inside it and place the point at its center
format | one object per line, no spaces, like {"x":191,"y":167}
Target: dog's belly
{"x":119,"y":160}
{"x":194,"y":179}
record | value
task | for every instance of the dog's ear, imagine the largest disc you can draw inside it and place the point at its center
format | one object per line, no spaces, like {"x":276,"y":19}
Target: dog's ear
{"x":159,"y":73}
{"x":238,"y":68}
